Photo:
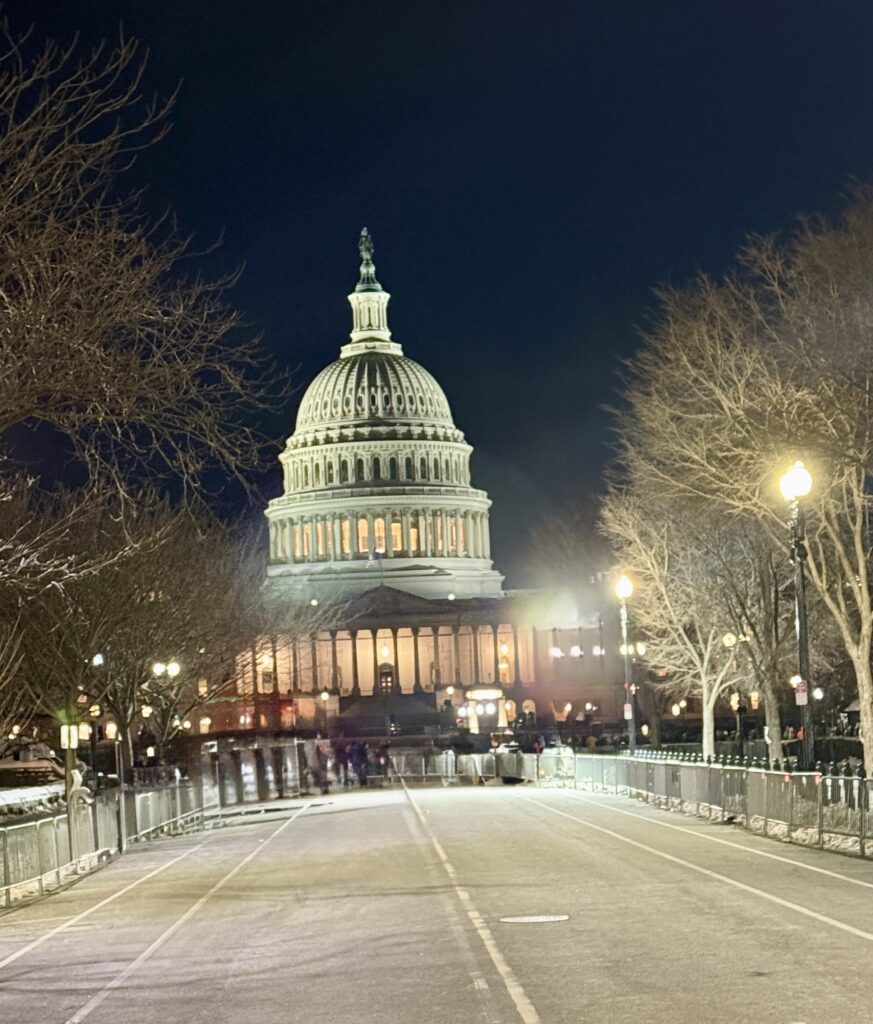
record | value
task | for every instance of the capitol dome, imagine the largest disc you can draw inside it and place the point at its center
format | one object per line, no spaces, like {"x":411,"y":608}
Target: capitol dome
{"x":374,"y":388}
{"x":376,"y":475}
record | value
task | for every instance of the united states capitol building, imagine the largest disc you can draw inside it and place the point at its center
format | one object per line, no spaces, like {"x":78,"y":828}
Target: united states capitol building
{"x":391,"y":613}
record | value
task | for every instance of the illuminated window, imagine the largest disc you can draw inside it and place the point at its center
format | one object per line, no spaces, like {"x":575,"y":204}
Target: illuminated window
{"x":379,"y":534}
{"x":307,"y":541}
{"x":438,"y":523}
{"x":319,"y":535}
{"x":345,"y":532}
{"x":202,"y":687}
{"x":503,"y":667}
{"x":267,"y":679}
{"x":205,"y":723}
{"x":396,"y":536}
{"x":413,"y":539}
{"x":454,"y":534}
{"x":363,"y":540}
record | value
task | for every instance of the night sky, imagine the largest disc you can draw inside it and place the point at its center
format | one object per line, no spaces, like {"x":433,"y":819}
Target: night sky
{"x":529,"y":172}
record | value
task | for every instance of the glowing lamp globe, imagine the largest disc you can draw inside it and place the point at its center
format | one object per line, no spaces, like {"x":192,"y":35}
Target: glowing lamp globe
{"x":624,"y":588}
{"x":795,"y":482}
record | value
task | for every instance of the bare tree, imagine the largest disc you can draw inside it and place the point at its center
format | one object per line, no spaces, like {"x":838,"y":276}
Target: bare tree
{"x":738,"y":380}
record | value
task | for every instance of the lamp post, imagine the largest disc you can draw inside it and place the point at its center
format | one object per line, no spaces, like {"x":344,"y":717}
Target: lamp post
{"x":623,"y":590}
{"x":796,"y":483}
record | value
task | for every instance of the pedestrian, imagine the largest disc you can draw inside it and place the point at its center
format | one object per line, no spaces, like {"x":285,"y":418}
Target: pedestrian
{"x":358,"y":756}
{"x":341,"y":760}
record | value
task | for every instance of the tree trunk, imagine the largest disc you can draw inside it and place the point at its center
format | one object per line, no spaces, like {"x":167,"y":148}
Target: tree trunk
{"x":864,"y":676}
{"x":707,"y":709}
{"x":772,"y":719}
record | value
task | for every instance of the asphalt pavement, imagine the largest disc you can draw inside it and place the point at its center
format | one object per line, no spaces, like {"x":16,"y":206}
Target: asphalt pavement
{"x":463,"y":904}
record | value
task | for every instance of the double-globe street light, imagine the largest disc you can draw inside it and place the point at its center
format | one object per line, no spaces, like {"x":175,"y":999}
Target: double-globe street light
{"x":623,"y":590}
{"x":795,"y":484}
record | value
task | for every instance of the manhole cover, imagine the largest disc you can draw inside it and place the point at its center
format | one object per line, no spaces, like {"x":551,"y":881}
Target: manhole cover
{"x":536,"y":919}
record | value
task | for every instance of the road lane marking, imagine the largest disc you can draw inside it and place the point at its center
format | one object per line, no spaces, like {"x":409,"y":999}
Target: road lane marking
{"x":788,"y":904}
{"x":100,"y":997}
{"x":535,"y":919}
{"x":526,"y":1009}
{"x":726,"y":842}
{"x":70,"y":921}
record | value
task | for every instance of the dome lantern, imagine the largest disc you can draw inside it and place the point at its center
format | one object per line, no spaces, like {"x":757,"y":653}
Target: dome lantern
{"x":369,"y":303}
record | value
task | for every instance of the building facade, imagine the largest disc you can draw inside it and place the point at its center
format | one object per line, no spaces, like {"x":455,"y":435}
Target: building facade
{"x":380,"y":554}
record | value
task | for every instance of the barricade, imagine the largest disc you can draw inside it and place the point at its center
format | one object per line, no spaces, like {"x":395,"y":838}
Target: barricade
{"x":806,"y":808}
{"x":35,"y":856}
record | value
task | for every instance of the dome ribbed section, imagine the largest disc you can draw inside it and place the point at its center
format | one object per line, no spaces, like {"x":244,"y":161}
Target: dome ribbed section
{"x":374,"y":388}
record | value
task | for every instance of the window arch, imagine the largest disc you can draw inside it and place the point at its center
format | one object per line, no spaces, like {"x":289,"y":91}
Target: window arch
{"x":436,"y":468}
{"x":407,"y":468}
{"x":448,"y":470}
{"x":296,"y":477}
{"x":329,"y":477}
{"x":363,"y":538}
{"x":422,"y":469}
{"x":344,"y":472}
{"x":392,"y":468}
{"x":377,"y":469}
{"x":316,"y":476}
{"x":359,"y":469}
{"x":306,"y":476}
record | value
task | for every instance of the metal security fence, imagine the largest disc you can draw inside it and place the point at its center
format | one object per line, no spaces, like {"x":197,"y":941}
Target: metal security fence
{"x":35,"y":855}
{"x":824,"y":809}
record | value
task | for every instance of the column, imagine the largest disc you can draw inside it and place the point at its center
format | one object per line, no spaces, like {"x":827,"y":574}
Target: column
{"x":376,"y":684}
{"x":356,"y":688}
{"x":313,"y":539}
{"x":417,"y":684}
{"x":337,"y":538}
{"x":425,"y":533}
{"x":388,"y":519}
{"x":334,"y":672}
{"x":515,"y":657}
{"x":471,"y":543}
{"x":404,"y":526}
{"x":486,"y":535}
{"x":534,"y":654}
{"x":475,"y":642}
{"x":436,"y":656}
{"x":396,"y":660}
{"x":371,"y":540}
{"x":446,"y":536}
{"x":313,"y":653}
{"x":457,"y":648}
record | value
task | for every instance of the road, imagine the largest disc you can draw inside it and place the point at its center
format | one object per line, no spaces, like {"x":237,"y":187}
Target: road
{"x":388,"y":907}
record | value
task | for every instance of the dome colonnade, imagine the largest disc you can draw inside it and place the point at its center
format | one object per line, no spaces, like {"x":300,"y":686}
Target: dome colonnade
{"x":377,"y":472}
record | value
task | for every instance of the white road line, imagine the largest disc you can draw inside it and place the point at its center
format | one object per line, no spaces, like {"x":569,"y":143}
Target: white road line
{"x":100,"y":997}
{"x":526,"y":1009}
{"x":70,"y":921}
{"x":805,"y":911}
{"x":726,"y":842}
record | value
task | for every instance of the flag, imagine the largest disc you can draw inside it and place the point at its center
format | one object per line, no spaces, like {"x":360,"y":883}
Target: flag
{"x":374,"y":559}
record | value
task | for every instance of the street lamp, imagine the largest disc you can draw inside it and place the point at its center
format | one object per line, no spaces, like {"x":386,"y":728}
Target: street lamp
{"x":796,"y":483}
{"x":623,"y":590}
